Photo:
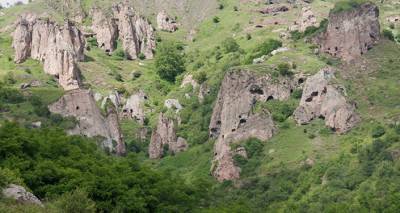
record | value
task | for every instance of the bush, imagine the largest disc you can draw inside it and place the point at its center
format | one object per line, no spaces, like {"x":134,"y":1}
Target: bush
{"x":297,"y":93}
{"x":141,"y":56}
{"x":264,"y":48}
{"x":169,"y":61}
{"x":216,"y":19}
{"x":9,"y":78}
{"x":221,"y":6}
{"x":76,"y":201}
{"x":378,"y":132}
{"x":92,"y":42}
{"x":284,"y":69}
{"x":230,"y":45}
{"x":200,"y":77}
{"x":388,"y":34}
{"x":119,"y":54}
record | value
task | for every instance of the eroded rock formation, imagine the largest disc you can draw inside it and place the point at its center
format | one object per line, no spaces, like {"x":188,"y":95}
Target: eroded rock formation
{"x":321,"y":99}
{"x":81,"y":105}
{"x":274,"y":9}
{"x":234,"y":117}
{"x":307,"y":19}
{"x":106,"y":30}
{"x":165,"y":22}
{"x":20,"y":194}
{"x":58,"y":47}
{"x":134,"y":107}
{"x":350,"y":33}
{"x":164,"y":137}
{"x":135,"y":32}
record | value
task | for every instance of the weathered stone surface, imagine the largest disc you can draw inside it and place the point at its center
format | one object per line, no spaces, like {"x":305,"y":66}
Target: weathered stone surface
{"x":106,"y":30}
{"x":235,"y":120}
{"x":135,"y":32}
{"x":165,"y":22}
{"x":322,"y":99}
{"x":165,"y":135}
{"x":204,"y":90}
{"x":173,"y":104}
{"x":350,"y":33}
{"x":134,"y":107}
{"x":58,"y":47}
{"x":20,"y":194}
{"x":274,"y":9}
{"x":188,"y":80}
{"x":81,"y":105}
{"x":307,"y":19}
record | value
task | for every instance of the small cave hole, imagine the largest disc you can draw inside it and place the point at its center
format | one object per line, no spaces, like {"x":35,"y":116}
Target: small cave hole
{"x":233,"y":130}
{"x":219,"y":122}
{"x":336,"y":48}
{"x":255,"y":89}
{"x":313,"y":94}
{"x":270,"y":98}
{"x":242,"y":121}
{"x":131,"y":110}
{"x":77,"y":108}
{"x":301,"y":80}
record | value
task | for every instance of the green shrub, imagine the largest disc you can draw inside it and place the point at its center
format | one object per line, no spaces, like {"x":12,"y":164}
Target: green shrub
{"x":220,"y":6}
{"x":141,"y":56}
{"x":264,"y":48}
{"x":169,"y":61}
{"x":284,"y":69}
{"x":200,"y":77}
{"x":216,"y":19}
{"x":119,"y":54}
{"x":76,"y":201}
{"x":388,"y":34}
{"x":9,"y":78}
{"x":297,"y":93}
{"x":92,"y":42}
{"x":378,"y":132}
{"x":230,"y":45}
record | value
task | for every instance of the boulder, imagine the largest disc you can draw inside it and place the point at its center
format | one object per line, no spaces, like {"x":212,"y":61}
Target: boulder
{"x":81,"y":105}
{"x":20,"y":194}
{"x":274,"y":9}
{"x":173,"y":104}
{"x":321,"y":99}
{"x":234,"y":118}
{"x":106,"y":30}
{"x":350,"y":33}
{"x":165,"y":136}
{"x":188,"y":80}
{"x":134,"y":107}
{"x":58,"y":47}
{"x":165,"y":22}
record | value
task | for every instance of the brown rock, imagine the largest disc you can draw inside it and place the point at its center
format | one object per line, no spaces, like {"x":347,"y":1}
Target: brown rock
{"x":133,"y":108}
{"x":322,"y":99}
{"x":165,"y":22}
{"x":81,"y":105}
{"x":106,"y":30}
{"x":20,"y":194}
{"x":165,"y":135}
{"x":307,"y":19}
{"x":350,"y":33}
{"x":235,"y":120}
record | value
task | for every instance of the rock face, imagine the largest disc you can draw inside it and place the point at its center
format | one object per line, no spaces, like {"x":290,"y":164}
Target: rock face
{"x":106,"y":30}
{"x":274,"y":9}
{"x":165,"y":136}
{"x":350,"y":33}
{"x":135,"y":32}
{"x":173,"y":104}
{"x":133,"y":108}
{"x":234,"y":118}
{"x":165,"y":22}
{"x":322,"y":99}
{"x":20,"y":194}
{"x":307,"y":19}
{"x":58,"y":47}
{"x":81,"y":105}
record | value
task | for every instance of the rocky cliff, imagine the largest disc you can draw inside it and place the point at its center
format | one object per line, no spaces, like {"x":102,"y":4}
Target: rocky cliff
{"x":58,"y":47}
{"x":164,"y":138}
{"x":234,"y":118}
{"x":106,"y":30}
{"x":165,"y":22}
{"x":350,"y":33}
{"x":81,"y":105}
{"x":134,"y":107}
{"x":322,"y":99}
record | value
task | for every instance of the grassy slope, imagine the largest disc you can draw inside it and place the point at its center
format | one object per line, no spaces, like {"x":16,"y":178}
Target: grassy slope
{"x":378,"y":102}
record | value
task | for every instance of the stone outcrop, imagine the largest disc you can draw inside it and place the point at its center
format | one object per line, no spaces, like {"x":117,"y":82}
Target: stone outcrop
{"x":173,"y":104}
{"x":165,"y":136}
{"x":106,"y":30}
{"x":188,"y":80}
{"x":134,"y":107}
{"x":81,"y":105}
{"x":58,"y":47}
{"x":307,"y":19}
{"x":20,"y":194}
{"x":321,"y":99}
{"x":165,"y":22}
{"x":350,"y":33}
{"x":135,"y":32}
{"x":234,"y":118}
{"x":274,"y":10}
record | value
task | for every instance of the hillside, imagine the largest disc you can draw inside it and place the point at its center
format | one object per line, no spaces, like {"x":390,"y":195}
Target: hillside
{"x":200,"y":106}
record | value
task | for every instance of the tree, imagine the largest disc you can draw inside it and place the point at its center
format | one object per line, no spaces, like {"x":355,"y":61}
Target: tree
{"x":75,"y":201}
{"x":169,"y":60}
{"x":229,"y":45}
